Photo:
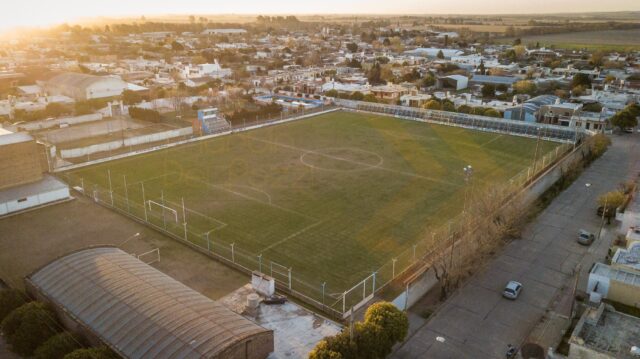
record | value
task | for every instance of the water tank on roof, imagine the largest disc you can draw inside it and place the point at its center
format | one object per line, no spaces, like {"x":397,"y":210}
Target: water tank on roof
{"x":595,"y":297}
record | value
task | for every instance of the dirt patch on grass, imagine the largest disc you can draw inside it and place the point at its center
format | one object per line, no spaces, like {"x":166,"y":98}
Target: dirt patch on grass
{"x":33,"y":239}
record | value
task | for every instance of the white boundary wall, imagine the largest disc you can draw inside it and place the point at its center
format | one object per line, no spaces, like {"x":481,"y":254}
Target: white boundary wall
{"x":131,"y":141}
{"x":195,"y":139}
{"x":38,"y":125}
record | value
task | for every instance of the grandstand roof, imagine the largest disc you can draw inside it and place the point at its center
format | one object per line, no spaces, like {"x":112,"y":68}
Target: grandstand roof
{"x":138,"y":311}
{"x":79,"y":80}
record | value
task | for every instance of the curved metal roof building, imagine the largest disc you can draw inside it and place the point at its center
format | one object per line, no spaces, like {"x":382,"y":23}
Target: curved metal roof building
{"x":140,"y":312}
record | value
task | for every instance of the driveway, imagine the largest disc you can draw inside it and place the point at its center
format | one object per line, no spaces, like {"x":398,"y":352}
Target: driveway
{"x":476,"y":322}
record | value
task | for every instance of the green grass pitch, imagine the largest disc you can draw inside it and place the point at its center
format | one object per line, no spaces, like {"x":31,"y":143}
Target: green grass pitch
{"x":333,"y":197}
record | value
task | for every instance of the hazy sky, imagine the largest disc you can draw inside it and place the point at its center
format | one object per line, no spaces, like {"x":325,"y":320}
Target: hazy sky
{"x":47,"y":12}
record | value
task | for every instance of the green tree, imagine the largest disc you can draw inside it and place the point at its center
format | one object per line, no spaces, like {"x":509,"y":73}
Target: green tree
{"x":331,"y":93}
{"x":55,"y":109}
{"x":481,"y":68}
{"x":357,"y":96}
{"x":433,"y":105}
{"x":440,"y":54}
{"x":10,"y":299}
{"x":370,"y":98}
{"x":464,"y":109}
{"x":375,"y":75}
{"x":352,"y":47}
{"x":393,"y":322}
{"x":57,"y":346}
{"x":448,"y":106}
{"x":624,"y":119}
{"x":28,"y":326}
{"x":524,"y":87}
{"x":492,"y":113}
{"x":384,"y":326}
{"x":429,"y":80}
{"x":131,"y":97}
{"x":488,"y":90}
{"x":581,"y":79}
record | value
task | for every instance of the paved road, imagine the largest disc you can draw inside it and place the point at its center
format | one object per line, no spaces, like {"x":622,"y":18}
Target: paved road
{"x":476,"y":322}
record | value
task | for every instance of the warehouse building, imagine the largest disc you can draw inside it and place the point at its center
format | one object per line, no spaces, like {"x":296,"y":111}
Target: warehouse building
{"x":85,"y":87}
{"x":23,"y":182}
{"x":111,"y":297}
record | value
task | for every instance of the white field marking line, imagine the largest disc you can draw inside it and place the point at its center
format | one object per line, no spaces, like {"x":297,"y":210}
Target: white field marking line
{"x":222,"y":224}
{"x":251,"y":188}
{"x":151,"y":178}
{"x":491,"y":140}
{"x":251,"y":198}
{"x":366,"y":166}
{"x":295,"y":234}
{"x":409,"y":174}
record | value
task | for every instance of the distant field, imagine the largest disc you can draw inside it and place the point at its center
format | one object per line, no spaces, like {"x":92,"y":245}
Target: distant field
{"x":333,"y":197}
{"x":606,"y":39}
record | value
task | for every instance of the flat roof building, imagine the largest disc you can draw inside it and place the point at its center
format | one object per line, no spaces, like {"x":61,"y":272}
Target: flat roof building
{"x":604,"y":333}
{"x":109,"y":296}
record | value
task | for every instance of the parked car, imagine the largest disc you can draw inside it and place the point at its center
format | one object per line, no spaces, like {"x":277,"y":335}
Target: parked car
{"x":512,"y":290}
{"x":585,"y":238}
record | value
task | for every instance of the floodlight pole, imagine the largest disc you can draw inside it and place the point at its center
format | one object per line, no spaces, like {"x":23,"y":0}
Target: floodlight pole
{"x":323,"y":284}
{"x":393,"y":267}
{"x":126,"y":193}
{"x":233,"y":257}
{"x":260,"y":262}
{"x":144,"y":203}
{"x":184,"y":218}
{"x":164,"y":219}
{"x":110,"y":187}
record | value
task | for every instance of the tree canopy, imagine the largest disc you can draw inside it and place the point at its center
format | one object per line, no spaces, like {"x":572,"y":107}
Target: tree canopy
{"x":384,"y":325}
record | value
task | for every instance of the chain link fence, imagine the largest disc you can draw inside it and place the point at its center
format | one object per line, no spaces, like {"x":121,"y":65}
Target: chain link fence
{"x":172,"y":217}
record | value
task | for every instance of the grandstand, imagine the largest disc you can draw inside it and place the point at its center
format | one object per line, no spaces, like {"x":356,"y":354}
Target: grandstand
{"x":210,"y":121}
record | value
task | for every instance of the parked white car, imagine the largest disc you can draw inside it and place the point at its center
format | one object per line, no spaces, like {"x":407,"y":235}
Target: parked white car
{"x":512,"y":290}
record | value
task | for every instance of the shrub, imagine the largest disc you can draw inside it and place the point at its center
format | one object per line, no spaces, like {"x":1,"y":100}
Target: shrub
{"x":391,"y":320}
{"x":10,"y":299}
{"x":57,"y":346}
{"x":144,"y":114}
{"x":383,"y":327}
{"x":28,"y":326}
{"x":92,"y":353}
{"x":597,"y":144}
{"x":492,"y":113}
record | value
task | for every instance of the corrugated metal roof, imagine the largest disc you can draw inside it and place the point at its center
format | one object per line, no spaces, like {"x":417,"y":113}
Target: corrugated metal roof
{"x":136,"y":309}
{"x":78,"y":80}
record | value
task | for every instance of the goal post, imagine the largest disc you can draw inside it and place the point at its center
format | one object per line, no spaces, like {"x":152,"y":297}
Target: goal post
{"x":160,"y":206}
{"x":150,"y":257}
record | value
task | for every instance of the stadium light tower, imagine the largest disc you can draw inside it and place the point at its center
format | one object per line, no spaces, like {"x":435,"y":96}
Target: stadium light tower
{"x":468,"y":173}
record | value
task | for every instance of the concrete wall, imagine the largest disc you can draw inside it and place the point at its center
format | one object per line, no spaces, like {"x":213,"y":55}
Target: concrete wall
{"x":33,"y":201}
{"x":416,"y":290}
{"x":624,"y":293}
{"x":19,"y":164}
{"x":255,"y":347}
{"x":37,"y":125}
{"x":131,"y":141}
{"x":553,"y":174}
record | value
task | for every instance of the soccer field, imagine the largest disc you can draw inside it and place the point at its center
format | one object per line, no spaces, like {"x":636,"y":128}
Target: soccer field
{"x":332,"y":197}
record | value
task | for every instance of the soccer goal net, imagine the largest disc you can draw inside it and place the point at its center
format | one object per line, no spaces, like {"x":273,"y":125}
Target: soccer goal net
{"x":167,"y":212}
